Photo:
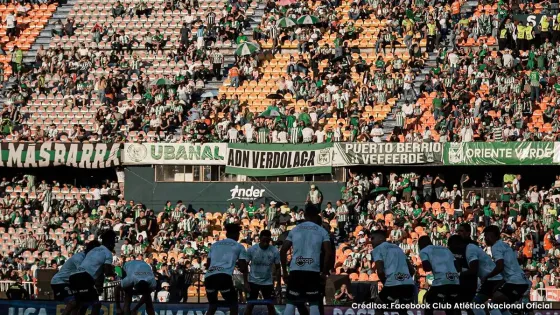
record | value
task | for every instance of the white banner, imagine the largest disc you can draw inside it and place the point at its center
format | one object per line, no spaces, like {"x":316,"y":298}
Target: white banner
{"x":556,"y":156}
{"x":174,"y":153}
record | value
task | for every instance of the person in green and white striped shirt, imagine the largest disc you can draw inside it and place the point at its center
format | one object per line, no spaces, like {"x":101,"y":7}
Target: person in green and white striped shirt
{"x":295,"y":133}
{"x":497,"y":131}
{"x":263,"y":135}
{"x":400,"y":118}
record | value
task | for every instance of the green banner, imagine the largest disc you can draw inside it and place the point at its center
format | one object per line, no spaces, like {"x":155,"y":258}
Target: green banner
{"x":48,"y":154}
{"x":499,"y":153}
{"x":278,"y":159}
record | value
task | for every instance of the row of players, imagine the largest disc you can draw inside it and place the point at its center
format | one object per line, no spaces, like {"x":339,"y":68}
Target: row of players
{"x":502,"y":280}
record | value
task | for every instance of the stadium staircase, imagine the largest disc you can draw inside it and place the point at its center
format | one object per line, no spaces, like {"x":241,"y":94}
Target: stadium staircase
{"x":42,"y":38}
{"x":45,"y":37}
{"x":274,"y":66}
{"x":229,"y":52}
{"x":467,"y":9}
{"x":44,"y":110}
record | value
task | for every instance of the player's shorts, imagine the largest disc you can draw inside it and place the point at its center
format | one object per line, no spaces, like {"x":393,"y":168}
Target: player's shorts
{"x":487,"y":289}
{"x":447,"y":293}
{"x":267,"y":291}
{"x":514,"y":292}
{"x":139,"y":287}
{"x":304,"y":286}
{"x":222,"y":283}
{"x":397,"y":294}
{"x":469,"y":284}
{"x":84,"y":288}
{"x":62,"y":292}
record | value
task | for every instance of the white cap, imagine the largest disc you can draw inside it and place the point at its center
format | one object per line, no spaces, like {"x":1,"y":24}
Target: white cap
{"x":165,"y":284}
{"x":272,"y":203}
{"x":313,"y":186}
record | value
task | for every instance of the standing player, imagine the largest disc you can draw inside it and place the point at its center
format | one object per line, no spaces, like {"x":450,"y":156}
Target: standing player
{"x":220,"y":265}
{"x":60,"y":283}
{"x":468,"y":283}
{"x":440,"y":261}
{"x":516,"y":284}
{"x":305,"y":277}
{"x":394,"y":271}
{"x":138,"y":279}
{"x":87,"y":281}
{"x":480,"y":265}
{"x":262,"y":258}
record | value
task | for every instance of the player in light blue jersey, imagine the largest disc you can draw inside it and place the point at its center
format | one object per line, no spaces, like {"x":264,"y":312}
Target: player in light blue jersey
{"x":60,"y":283}
{"x":441,"y":262}
{"x":220,"y":265}
{"x":480,"y":265}
{"x":516,"y":283}
{"x":394,"y":271}
{"x":87,"y":281}
{"x":138,"y":279}
{"x":305,"y":278}
{"x":262,"y":258}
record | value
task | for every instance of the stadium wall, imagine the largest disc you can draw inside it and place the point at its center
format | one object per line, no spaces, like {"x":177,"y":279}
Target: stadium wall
{"x":140,"y":186}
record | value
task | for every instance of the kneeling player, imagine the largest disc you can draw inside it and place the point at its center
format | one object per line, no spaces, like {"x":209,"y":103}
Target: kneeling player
{"x":220,"y":263}
{"x":441,"y":262}
{"x":480,"y":265}
{"x":87,"y":281}
{"x":138,"y":279}
{"x":516,"y":283}
{"x":263,"y":258}
{"x":60,"y":283}
{"x":394,"y":271}
{"x":304,"y":280}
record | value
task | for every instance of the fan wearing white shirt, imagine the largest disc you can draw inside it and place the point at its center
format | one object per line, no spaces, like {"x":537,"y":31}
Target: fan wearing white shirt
{"x":376,"y":133}
{"x":232,"y":134}
{"x":282,"y":136}
{"x":249,"y":130}
{"x":320,"y":135}
{"x":307,"y":134}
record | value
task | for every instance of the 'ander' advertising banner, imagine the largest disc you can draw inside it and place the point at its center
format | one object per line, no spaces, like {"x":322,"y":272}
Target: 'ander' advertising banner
{"x":47,"y":154}
{"x":278,"y":159}
{"x":499,"y":153}
{"x":386,"y":153}
{"x":175,"y":153}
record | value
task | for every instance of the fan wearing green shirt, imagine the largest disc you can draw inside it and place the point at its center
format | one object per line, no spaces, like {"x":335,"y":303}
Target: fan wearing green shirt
{"x":555,"y":227}
{"x":507,"y":193}
{"x":488,"y":213}
{"x":251,"y":209}
{"x":535,"y":85}
{"x":513,"y":208}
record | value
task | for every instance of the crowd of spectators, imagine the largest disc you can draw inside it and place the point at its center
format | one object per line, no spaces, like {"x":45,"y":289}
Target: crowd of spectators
{"x":176,"y":238}
{"x":490,"y":77}
{"x":121,"y":83}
